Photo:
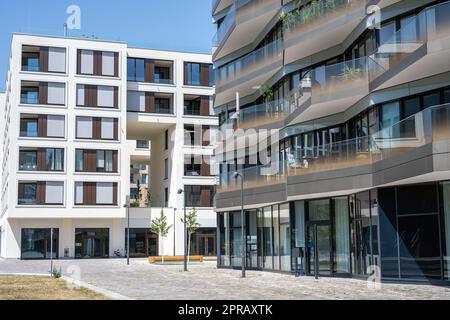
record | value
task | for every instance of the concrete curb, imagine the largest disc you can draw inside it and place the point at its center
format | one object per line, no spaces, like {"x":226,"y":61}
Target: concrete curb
{"x":71,"y":281}
{"x":111,"y":294}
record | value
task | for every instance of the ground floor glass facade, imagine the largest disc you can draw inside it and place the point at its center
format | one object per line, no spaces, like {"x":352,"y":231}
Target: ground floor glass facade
{"x":402,"y":231}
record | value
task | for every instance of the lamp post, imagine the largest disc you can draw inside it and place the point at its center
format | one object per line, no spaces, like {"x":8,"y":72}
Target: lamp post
{"x":244,"y":251}
{"x":127,"y":206}
{"x":180,"y":191}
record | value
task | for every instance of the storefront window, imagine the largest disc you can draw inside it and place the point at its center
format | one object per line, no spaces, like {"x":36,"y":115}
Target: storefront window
{"x":341,"y":236}
{"x":285,"y":238}
{"x":299,"y":236}
{"x":276,"y":238}
{"x":236,"y":239}
{"x":268,"y":239}
{"x":446,"y":207}
{"x":252,"y":240}
{"x":36,"y":243}
{"x":224,"y":225}
{"x":319,"y":210}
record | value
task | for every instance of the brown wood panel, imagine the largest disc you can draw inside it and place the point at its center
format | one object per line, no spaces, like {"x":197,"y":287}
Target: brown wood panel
{"x":79,"y":61}
{"x":42,"y":126}
{"x":98,"y":63}
{"x":43,"y":92}
{"x":116,"y":129}
{"x":115,"y":193}
{"x":206,"y":136}
{"x":43,"y":59}
{"x":149,"y":73}
{"x":91,"y":164}
{"x":205,"y":196}
{"x":115,"y":155}
{"x":89,"y":193}
{"x":204,"y":75}
{"x":116,"y":97}
{"x":90,"y":96}
{"x":149,"y":102}
{"x":205,"y":169}
{"x":204,"y":106}
{"x":41,"y":155}
{"x":116,"y":64}
{"x":40,"y":193}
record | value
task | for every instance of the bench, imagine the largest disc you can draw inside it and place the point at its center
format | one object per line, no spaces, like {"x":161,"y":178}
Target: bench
{"x":153,"y":260}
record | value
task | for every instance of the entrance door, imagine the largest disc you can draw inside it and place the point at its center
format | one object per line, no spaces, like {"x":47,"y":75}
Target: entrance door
{"x":319,"y":248}
{"x":206,"y":245}
{"x":93,"y":247}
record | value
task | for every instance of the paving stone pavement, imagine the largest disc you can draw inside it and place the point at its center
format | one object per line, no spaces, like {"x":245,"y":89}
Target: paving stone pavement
{"x":204,"y":281}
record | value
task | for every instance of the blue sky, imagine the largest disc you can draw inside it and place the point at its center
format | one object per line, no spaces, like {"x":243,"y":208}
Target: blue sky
{"x":183,"y":25}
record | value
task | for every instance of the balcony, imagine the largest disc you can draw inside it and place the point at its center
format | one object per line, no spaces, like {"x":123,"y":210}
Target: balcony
{"x":248,"y":72}
{"x":425,"y":127}
{"x":320,"y":25}
{"x":243,"y":23}
{"x":419,"y":49}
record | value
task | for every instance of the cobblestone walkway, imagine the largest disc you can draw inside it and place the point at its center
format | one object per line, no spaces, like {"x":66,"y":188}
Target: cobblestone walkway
{"x":143,"y":281}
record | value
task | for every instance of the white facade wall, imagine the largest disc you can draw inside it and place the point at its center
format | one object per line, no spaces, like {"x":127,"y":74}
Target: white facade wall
{"x":132,"y":126}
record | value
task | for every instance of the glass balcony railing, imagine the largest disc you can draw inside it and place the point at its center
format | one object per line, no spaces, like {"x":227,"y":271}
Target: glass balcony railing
{"x":427,"y":126}
{"x":429,"y":25}
{"x":310,"y":17}
{"x":249,"y":63}
{"x":339,"y":81}
{"x":240,"y":11}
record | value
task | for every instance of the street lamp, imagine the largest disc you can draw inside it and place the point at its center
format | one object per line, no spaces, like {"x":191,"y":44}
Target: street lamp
{"x":180,"y":191}
{"x":127,"y":206}
{"x":243,"y":251}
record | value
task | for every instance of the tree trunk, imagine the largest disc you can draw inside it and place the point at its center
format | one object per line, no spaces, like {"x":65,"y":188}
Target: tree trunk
{"x":189,"y":249}
{"x":162,"y":249}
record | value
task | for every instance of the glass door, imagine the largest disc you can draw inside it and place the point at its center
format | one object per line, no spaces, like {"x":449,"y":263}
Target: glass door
{"x":319,"y":248}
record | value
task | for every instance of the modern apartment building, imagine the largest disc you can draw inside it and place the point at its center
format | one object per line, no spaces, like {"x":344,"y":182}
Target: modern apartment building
{"x":79,"y":117}
{"x":355,"y":180}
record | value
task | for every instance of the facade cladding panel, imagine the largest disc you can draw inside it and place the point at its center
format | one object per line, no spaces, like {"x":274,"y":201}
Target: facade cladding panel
{"x":360,"y":185}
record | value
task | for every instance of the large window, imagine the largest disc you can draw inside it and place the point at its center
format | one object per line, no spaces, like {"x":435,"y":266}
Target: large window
{"x":193,"y":74}
{"x":28,"y":127}
{"x":28,"y":160}
{"x":91,"y":243}
{"x":285,"y":237}
{"x":36,"y":243}
{"x":54,"y":159}
{"x":104,"y":161}
{"x":27,"y":193}
{"x":341,"y":239}
{"x":136,"y":70}
{"x":143,"y":243}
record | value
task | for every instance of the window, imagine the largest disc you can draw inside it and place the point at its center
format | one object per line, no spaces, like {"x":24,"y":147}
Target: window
{"x":192,"y":166}
{"x":79,"y":160}
{"x":57,"y":60}
{"x":54,"y":193}
{"x":27,"y":193}
{"x":30,"y":61}
{"x":134,"y":193}
{"x":136,"y":70}
{"x":211,"y":76}
{"x":104,"y":193}
{"x":27,"y":160}
{"x":142,"y":144}
{"x":193,"y":74}
{"x":36,"y":244}
{"x":166,"y":197}
{"x":54,"y":159}
{"x":99,"y":63}
{"x":79,"y":193}
{"x":108,"y":64}
{"x":107,"y":128}
{"x":162,"y":75}
{"x":189,"y":135}
{"x":144,"y":179}
{"x":166,"y":140}
{"x":192,"y":107}
{"x":162,"y":105}
{"x":56,"y":93}
{"x":29,"y":95}
{"x":198,"y":196}
{"x":84,"y":128}
{"x":55,"y":126}
{"x":28,"y":127}
{"x":105,"y":96}
{"x":87,"y":62}
{"x":136,"y":101}
{"x":104,"y":161}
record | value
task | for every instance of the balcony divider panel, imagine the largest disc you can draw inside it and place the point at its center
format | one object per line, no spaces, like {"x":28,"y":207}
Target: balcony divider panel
{"x":40,"y":193}
{"x":43,"y":92}
{"x":115,"y":158}
{"x":43,"y":59}
{"x":97,"y":63}
{"x":78,"y":61}
{"x":205,"y":169}
{"x":42,"y":126}
{"x":149,"y":102}
{"x":149,"y":70}
{"x":204,"y":106}
{"x":97,"y":128}
{"x":116,"y":97}
{"x":116,"y":64}
{"x":41,"y":155}
{"x":205,"y":196}
{"x":206,"y":136}
{"x":89,"y":193}
{"x":115,"y":193}
{"x":116,"y":129}
{"x":204,"y":75}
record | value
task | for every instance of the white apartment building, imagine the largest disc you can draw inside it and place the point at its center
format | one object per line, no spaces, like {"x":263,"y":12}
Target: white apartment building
{"x":73,"y":109}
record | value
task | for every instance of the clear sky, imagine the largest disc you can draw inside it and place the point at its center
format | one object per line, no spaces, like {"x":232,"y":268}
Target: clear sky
{"x":183,"y":25}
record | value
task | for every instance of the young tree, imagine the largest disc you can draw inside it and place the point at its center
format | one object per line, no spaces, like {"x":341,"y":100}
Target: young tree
{"x":139,"y":192}
{"x":161,"y":227}
{"x":191,"y":225}
{"x":148,"y":197}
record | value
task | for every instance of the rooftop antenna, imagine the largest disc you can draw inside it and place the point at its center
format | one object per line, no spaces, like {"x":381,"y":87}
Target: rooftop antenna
{"x":65,"y":29}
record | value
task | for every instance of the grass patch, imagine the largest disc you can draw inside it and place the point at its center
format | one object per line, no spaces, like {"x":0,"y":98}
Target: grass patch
{"x":42,"y":288}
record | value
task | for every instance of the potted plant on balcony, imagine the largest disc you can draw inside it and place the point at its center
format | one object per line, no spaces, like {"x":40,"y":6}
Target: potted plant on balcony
{"x":351,"y":73}
{"x":266,"y":91}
